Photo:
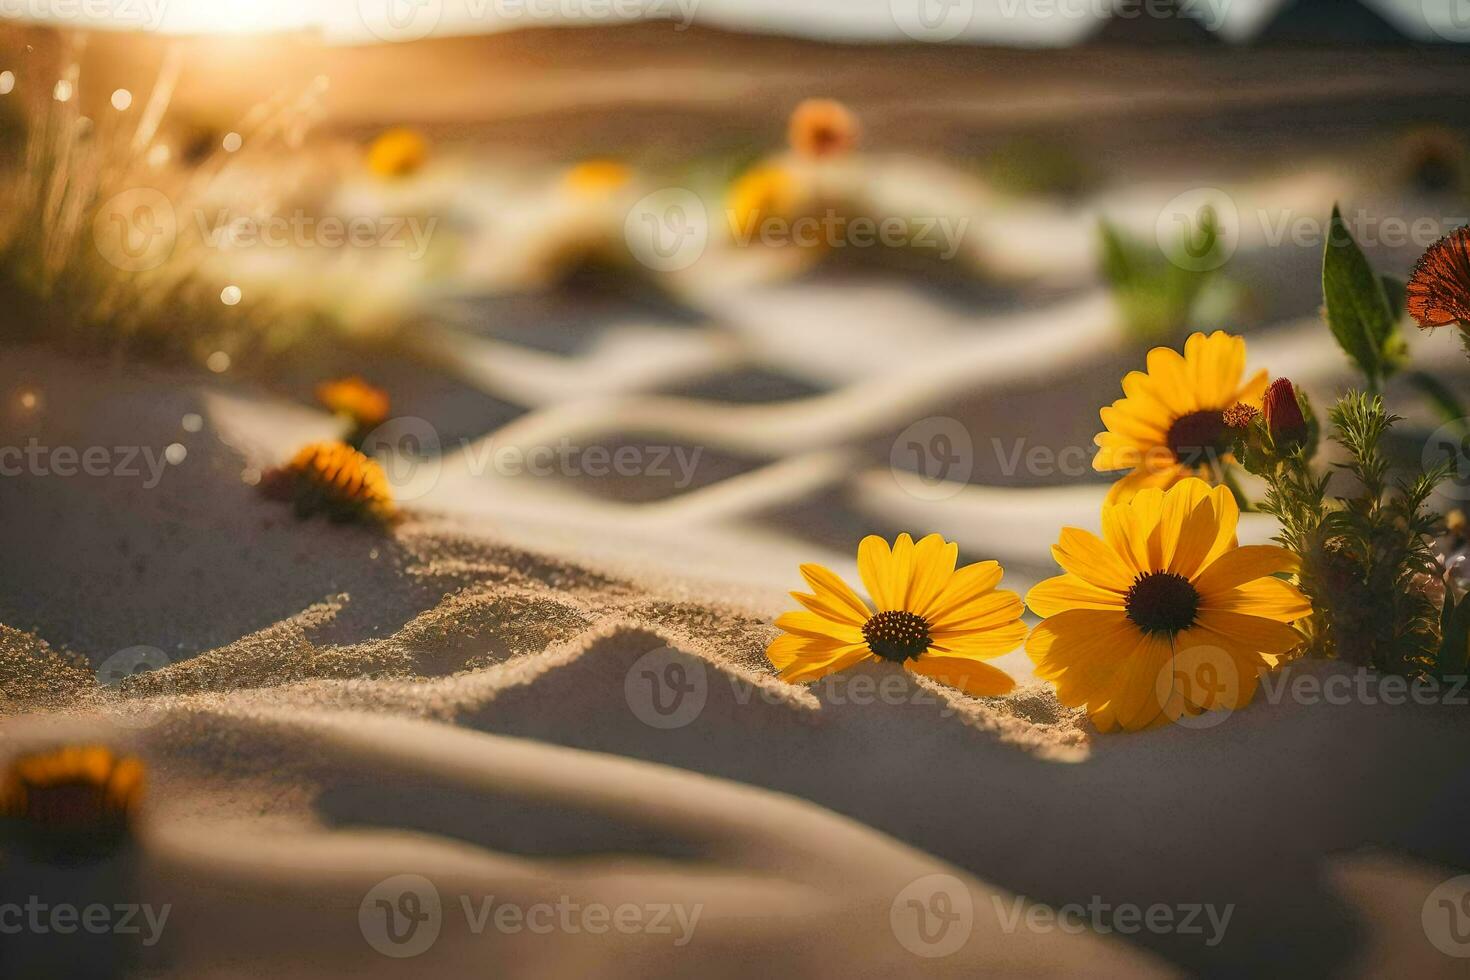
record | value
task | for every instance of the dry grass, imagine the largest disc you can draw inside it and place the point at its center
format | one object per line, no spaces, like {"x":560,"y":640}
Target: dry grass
{"x":105,"y":246}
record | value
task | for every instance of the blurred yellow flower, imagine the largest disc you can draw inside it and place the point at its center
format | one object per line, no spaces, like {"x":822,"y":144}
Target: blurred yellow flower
{"x":1166,"y":615}
{"x":397,"y":153}
{"x":595,"y":178}
{"x":1171,"y":423}
{"x":761,"y":194}
{"x":334,"y":479}
{"x":930,"y":618}
{"x":353,"y":398}
{"x":822,"y":128}
{"x":74,"y":802}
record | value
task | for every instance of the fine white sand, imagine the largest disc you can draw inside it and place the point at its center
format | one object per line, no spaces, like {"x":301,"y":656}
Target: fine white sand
{"x":339,"y":707}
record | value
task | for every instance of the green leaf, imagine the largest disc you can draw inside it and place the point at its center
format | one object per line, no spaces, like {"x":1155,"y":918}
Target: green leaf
{"x":1117,"y":264}
{"x":1358,"y":309}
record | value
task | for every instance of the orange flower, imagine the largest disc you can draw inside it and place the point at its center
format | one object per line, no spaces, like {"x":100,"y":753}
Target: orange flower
{"x":334,"y":479}
{"x":397,"y":153}
{"x":1439,"y":289}
{"x":822,"y":128}
{"x":354,"y":398}
{"x":597,"y":178}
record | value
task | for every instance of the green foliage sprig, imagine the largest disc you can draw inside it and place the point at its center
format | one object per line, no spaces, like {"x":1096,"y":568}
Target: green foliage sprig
{"x":1366,"y":556}
{"x":1376,"y":549}
{"x":1368,"y":564}
{"x":1155,"y":294}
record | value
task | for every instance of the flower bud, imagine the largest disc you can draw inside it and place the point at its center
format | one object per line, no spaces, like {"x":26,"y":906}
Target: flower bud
{"x":1283,"y":414}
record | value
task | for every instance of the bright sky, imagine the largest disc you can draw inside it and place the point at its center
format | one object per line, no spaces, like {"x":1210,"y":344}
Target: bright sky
{"x":1042,"y":22}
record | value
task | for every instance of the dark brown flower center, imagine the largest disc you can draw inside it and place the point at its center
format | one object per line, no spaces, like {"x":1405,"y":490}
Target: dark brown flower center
{"x":897,"y":635}
{"x":1199,"y":438}
{"x":1162,"y":602}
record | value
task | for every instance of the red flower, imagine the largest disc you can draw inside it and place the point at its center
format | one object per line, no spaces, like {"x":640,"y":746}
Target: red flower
{"x":1283,"y":413}
{"x":1439,"y":289}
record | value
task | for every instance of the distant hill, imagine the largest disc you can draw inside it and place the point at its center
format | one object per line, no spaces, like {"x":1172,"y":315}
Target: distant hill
{"x":1329,"y":22}
{"x":1175,"y":28}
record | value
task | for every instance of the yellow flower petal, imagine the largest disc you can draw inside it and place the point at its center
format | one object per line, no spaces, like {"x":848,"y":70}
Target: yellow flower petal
{"x":1227,"y":512}
{"x":1080,"y":650}
{"x":1254,"y":390}
{"x":965,"y":586}
{"x":830,"y":661}
{"x":835,"y":595}
{"x":886,"y":571}
{"x":817,"y":627}
{"x":1136,"y":701}
{"x":1268,"y":598}
{"x":789,"y":648}
{"x":982,"y":612}
{"x":1243,"y":564}
{"x":1214,"y":365}
{"x":1090,"y":558}
{"x":1214,"y":671}
{"x":1153,"y":473}
{"x":969,"y":675}
{"x":933,"y":565}
{"x":1063,"y":592}
{"x":1176,"y":509}
{"x":1252,"y":633}
{"x":991,"y":641}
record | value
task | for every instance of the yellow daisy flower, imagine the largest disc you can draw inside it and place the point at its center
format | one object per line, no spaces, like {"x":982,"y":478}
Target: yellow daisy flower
{"x":934,"y":620}
{"x":1170,"y":425}
{"x":763,"y":193}
{"x":72,"y":803}
{"x":1165,"y":615}
{"x":597,"y":178}
{"x":397,"y":153}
